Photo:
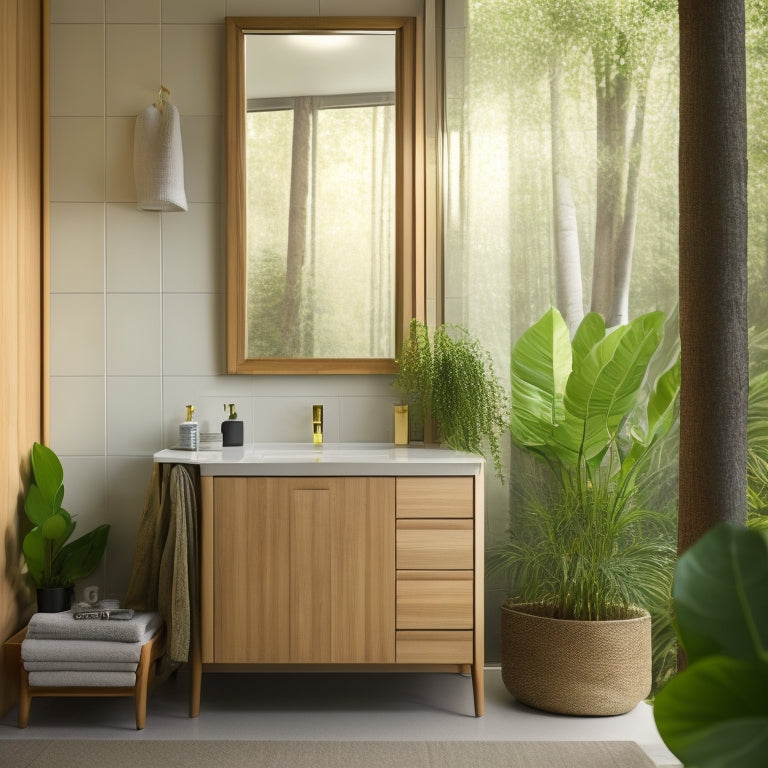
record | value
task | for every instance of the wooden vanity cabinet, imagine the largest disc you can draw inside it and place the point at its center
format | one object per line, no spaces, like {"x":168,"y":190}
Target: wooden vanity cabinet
{"x":321,"y":572}
{"x":303,"y":570}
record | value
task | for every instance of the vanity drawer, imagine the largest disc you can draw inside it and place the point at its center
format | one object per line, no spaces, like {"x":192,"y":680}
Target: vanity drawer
{"x":438,"y":544}
{"x":435,"y":496}
{"x":433,"y":647}
{"x":434,"y":600}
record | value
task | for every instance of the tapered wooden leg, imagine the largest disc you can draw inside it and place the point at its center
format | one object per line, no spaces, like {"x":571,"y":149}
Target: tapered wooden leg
{"x":140,"y":701}
{"x":197,"y":681}
{"x":25,"y":698}
{"x":145,"y":672}
{"x":478,"y":688}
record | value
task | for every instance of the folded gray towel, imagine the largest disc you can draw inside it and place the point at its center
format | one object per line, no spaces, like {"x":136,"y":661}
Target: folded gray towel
{"x":79,"y":650}
{"x":63,"y":626}
{"x":82,"y":679}
{"x":81,"y":666}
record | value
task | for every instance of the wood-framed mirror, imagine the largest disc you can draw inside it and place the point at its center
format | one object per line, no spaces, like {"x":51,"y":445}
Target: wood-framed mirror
{"x":325,"y":193}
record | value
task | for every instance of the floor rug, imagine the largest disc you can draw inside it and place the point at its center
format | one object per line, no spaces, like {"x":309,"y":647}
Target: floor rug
{"x":91,"y":753}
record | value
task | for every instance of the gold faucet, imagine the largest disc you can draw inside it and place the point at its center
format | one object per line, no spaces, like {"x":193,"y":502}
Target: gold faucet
{"x":317,"y":424}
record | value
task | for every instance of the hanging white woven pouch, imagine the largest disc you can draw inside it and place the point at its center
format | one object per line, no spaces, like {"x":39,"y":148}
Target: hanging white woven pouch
{"x":158,"y":160}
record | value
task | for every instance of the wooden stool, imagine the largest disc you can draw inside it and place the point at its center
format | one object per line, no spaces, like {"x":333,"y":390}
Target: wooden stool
{"x":151,"y":651}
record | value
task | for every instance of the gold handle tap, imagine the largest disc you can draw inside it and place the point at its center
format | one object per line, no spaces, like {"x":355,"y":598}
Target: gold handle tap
{"x":317,"y":424}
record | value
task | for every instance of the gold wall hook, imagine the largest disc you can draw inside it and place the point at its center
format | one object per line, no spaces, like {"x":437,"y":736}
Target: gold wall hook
{"x":161,"y":97}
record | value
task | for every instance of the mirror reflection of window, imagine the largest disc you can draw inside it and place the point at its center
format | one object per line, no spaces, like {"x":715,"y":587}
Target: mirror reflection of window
{"x":320,"y":180}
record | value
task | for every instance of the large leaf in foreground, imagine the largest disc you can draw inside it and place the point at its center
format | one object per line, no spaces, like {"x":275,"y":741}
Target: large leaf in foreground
{"x":721,"y":594}
{"x":714,"y":714}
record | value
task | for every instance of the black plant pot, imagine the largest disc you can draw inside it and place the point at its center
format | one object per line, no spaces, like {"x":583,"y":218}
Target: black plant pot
{"x":54,"y":599}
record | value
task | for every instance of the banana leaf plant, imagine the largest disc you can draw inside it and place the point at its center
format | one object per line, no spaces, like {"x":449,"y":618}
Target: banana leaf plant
{"x":592,"y":410}
{"x":607,"y":393}
{"x":51,"y":561}
{"x":714,"y":714}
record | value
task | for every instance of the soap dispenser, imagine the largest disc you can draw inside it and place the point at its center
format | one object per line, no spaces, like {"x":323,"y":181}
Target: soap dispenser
{"x":189,"y":433}
{"x":231,"y":429}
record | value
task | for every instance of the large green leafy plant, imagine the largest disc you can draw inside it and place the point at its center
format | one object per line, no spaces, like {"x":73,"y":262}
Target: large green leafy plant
{"x":448,"y":376}
{"x":591,"y":412}
{"x":52,"y":562}
{"x":714,"y":714}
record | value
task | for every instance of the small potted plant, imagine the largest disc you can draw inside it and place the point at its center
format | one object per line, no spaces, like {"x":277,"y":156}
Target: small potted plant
{"x":585,"y":558}
{"x":447,"y":376}
{"x":54,"y":563}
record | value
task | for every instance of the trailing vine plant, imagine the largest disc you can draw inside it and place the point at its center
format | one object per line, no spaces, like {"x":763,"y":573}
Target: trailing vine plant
{"x":446,"y":375}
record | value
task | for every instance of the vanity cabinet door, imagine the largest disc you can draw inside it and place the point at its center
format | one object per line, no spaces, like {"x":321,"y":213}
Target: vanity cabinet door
{"x":342,"y":570}
{"x":251,"y":576}
{"x":304,"y":570}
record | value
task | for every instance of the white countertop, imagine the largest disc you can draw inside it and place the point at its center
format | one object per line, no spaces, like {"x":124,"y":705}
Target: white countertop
{"x":327,"y":459}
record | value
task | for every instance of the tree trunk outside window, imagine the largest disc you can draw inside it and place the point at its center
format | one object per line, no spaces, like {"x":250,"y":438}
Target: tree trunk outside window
{"x":713,"y":267}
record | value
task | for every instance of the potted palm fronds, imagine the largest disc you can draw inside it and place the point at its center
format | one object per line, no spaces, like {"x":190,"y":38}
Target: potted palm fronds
{"x":448,"y":378}
{"x":584,"y":559}
{"x":53,"y":562}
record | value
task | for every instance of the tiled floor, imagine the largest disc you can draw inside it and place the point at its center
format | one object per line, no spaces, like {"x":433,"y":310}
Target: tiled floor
{"x":399,"y":707}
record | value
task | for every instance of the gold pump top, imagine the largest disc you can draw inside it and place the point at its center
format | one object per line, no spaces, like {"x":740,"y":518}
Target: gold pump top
{"x":232,"y":411}
{"x":190,"y":411}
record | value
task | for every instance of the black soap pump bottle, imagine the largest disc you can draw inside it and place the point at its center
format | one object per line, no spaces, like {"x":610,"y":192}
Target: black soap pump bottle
{"x":231,"y":429}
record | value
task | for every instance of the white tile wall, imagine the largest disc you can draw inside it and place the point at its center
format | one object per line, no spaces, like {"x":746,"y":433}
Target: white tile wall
{"x":138,"y":298}
{"x":134,"y":339}
{"x":278,"y":7}
{"x":133,"y":249}
{"x":197,"y":81}
{"x":118,"y":162}
{"x":194,"y":11}
{"x":78,"y":417}
{"x":188,"y":242}
{"x":133,"y":415}
{"x":77,"y":69}
{"x":202,"y":137}
{"x":135,"y":12}
{"x":77,"y":159}
{"x":77,"y":11}
{"x":77,"y":247}
{"x":77,"y":334}
{"x":133,"y":61}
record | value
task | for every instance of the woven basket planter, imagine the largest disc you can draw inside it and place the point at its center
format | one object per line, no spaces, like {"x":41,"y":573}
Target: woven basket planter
{"x":575,"y":667}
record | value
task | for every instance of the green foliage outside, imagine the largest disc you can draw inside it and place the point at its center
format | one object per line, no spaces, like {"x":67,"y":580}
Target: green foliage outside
{"x":757,"y":432}
{"x":501,"y":256}
{"x":345,"y":266}
{"x":52,"y":561}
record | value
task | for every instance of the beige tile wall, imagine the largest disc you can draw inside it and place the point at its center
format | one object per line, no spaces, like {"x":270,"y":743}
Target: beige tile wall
{"x":137,"y":302}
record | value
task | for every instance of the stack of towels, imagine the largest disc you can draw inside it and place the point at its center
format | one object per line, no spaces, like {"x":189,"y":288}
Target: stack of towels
{"x":61,"y":651}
